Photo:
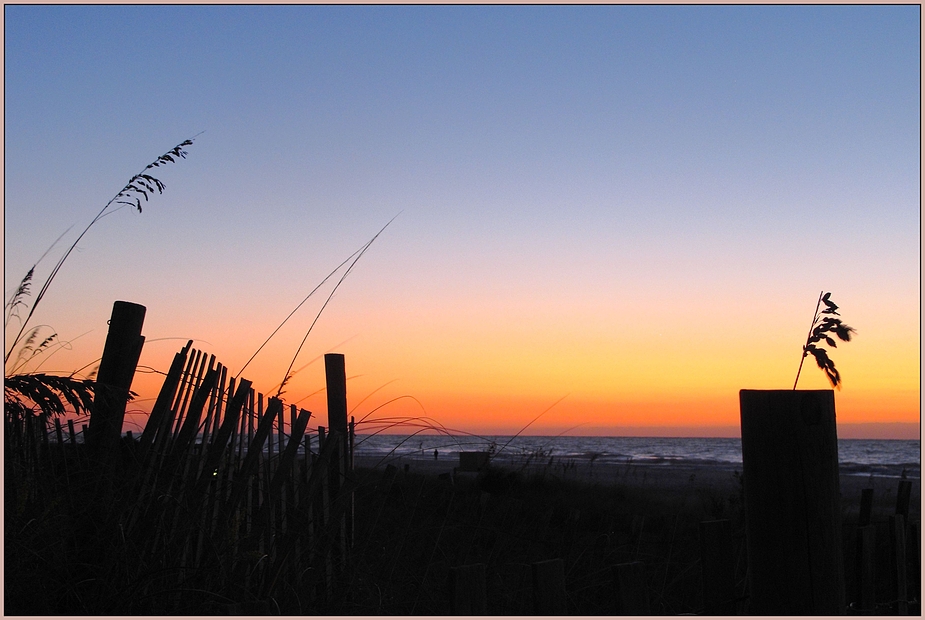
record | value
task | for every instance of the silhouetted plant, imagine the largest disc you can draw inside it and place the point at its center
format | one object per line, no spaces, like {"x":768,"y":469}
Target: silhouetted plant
{"x":51,"y":393}
{"x":819,"y":331}
{"x":23,"y":394}
{"x":355,"y":257}
{"x":358,"y":254}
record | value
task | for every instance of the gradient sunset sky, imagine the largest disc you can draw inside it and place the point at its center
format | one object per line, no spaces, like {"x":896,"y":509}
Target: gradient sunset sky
{"x":631,"y":207}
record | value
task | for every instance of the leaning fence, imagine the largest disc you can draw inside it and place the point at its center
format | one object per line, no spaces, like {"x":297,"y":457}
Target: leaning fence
{"x":230,"y":502}
{"x":224,"y":492}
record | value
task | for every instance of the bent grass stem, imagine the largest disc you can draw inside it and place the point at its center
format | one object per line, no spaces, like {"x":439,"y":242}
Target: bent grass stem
{"x":808,"y":336}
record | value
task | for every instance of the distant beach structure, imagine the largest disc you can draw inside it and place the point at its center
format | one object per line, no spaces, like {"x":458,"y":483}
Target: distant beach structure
{"x":857,"y":457}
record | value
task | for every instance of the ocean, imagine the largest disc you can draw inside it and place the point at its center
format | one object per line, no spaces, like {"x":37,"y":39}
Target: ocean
{"x":862,"y":457}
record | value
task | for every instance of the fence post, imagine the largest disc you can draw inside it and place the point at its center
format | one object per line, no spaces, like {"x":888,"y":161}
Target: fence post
{"x":792,"y":502}
{"x":335,"y":375}
{"x":336,"y":382}
{"x":114,"y":378}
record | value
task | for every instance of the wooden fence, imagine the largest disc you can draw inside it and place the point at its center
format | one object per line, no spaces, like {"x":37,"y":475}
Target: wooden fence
{"x":224,"y":492}
{"x":229,"y":503}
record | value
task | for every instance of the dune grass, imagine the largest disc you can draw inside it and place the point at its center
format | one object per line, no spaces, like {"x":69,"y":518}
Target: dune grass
{"x":68,"y":552}
{"x":72,"y":547}
{"x":412,"y":529}
{"x":26,"y":391}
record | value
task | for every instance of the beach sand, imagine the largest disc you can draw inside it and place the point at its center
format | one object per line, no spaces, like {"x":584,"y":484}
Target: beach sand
{"x":605,"y":514}
{"x":678,"y":481}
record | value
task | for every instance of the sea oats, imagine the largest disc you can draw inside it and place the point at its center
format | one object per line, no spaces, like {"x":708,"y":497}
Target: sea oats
{"x":818,"y":332}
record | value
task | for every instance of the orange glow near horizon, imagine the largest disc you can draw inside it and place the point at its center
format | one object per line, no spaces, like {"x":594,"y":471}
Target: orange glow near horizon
{"x":639,"y":222}
{"x":483,"y":406}
{"x":474,"y":376}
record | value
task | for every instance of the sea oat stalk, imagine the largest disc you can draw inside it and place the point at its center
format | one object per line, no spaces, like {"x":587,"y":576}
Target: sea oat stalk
{"x":817,"y":333}
{"x":138,"y":187}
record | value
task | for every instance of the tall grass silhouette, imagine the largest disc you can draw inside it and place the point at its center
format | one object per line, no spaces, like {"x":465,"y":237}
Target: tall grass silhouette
{"x":51,"y":394}
{"x":140,"y":187}
{"x":825,"y":323}
{"x":352,"y":260}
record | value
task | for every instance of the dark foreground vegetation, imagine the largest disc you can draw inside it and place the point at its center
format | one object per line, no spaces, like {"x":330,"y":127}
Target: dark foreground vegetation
{"x":226,"y":504}
{"x":72,"y":547}
{"x":419,"y":528}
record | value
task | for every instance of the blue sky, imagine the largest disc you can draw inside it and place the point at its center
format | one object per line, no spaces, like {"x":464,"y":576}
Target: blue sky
{"x":579,"y":170}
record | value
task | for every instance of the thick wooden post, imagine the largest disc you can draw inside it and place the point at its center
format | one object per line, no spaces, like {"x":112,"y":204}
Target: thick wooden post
{"x":335,"y":375}
{"x":792,"y":502}
{"x":114,"y":378}
{"x":336,"y":381}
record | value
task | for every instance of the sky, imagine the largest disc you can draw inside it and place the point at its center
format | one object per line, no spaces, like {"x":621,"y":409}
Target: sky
{"x":607,"y":219}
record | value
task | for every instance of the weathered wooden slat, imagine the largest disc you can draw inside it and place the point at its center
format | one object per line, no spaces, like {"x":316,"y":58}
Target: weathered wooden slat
{"x":195,"y":379}
{"x":217,"y":448}
{"x":164,"y":398}
{"x":283,"y":472}
{"x":292,"y":482}
{"x":164,"y":434}
{"x":281,"y":438}
{"x":232,"y":389}
{"x":59,"y":436}
{"x":187,"y":435}
{"x":71,"y":434}
{"x":254,"y":450}
{"x":213,"y":416}
{"x":284,"y":467}
{"x":213,"y":412}
{"x":243,"y":438}
{"x":175,"y":458}
{"x":192,"y":499}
